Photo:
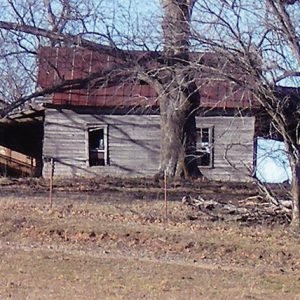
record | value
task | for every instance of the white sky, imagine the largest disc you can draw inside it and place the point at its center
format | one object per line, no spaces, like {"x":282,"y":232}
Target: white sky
{"x":272,"y":162}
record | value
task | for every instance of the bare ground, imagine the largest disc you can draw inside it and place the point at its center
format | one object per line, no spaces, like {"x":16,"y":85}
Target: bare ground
{"x":108,"y":239}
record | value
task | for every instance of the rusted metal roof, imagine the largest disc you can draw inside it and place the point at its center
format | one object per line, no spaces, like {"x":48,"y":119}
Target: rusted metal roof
{"x":58,"y":64}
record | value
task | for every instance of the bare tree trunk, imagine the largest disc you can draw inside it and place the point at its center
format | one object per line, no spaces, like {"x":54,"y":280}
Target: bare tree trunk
{"x":176,"y":26}
{"x":292,"y":149}
{"x":172,"y":148}
{"x":180,"y":98}
{"x":178,"y":132}
{"x":295,"y":189}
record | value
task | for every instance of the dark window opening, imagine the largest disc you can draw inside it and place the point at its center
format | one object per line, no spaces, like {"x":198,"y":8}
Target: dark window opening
{"x":97,"y":147}
{"x":204,"y":147}
{"x":142,"y":82}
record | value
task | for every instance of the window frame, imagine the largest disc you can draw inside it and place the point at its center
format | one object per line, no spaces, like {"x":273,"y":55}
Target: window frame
{"x":210,"y":146}
{"x":92,"y":126}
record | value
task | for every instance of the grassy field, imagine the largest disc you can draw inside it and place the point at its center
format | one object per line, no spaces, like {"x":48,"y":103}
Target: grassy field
{"x":100,"y":246}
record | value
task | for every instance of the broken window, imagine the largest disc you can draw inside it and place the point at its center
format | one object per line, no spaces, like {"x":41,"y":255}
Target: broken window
{"x":97,"y":146}
{"x":204,"y":147}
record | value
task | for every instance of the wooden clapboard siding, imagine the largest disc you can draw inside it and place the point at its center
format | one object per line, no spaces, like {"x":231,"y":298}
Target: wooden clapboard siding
{"x":134,"y":143}
{"x":233,"y":147}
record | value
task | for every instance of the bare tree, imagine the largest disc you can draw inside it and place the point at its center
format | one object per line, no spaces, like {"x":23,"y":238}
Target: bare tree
{"x":259,"y":40}
{"x":256,"y":44}
{"x":168,"y":71}
{"x":179,"y":94}
{"x":18,"y":50}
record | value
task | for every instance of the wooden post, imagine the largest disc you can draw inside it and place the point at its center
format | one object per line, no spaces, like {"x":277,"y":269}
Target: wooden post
{"x":166,"y":200}
{"x":51,"y":181}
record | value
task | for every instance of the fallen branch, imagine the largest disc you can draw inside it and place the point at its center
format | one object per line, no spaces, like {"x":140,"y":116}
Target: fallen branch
{"x":247,"y":210}
{"x":285,"y":205}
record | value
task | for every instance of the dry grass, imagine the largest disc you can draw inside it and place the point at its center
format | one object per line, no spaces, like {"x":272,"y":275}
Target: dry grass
{"x":86,"y":249}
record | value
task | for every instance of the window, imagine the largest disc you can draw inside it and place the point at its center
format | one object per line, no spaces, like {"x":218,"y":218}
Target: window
{"x":97,"y":146}
{"x":204,"y":147}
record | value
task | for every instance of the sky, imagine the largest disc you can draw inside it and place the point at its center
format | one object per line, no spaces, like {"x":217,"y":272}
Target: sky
{"x":272,"y":162}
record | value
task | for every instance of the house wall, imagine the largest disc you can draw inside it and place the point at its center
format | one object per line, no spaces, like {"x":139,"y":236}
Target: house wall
{"x":233,"y":152}
{"x":134,"y":142}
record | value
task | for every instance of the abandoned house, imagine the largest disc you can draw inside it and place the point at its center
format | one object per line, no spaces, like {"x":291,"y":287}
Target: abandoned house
{"x":115,"y":130}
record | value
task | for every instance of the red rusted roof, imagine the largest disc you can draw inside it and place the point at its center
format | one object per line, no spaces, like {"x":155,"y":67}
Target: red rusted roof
{"x":58,"y":64}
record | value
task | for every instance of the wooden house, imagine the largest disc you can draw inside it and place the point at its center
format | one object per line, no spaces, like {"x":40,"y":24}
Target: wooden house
{"x":99,"y":130}
{"x":115,"y":130}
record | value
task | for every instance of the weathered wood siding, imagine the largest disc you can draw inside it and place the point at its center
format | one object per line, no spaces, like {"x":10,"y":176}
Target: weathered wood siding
{"x":134,"y":142}
{"x":233,"y":147}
